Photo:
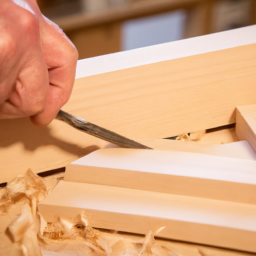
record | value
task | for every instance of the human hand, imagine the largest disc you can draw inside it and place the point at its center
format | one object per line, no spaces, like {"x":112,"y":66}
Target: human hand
{"x":37,"y":64}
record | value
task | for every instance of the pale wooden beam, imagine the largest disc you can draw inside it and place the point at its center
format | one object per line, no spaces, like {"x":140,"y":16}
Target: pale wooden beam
{"x":204,"y":221}
{"x":45,"y":149}
{"x":246,"y":124}
{"x":179,"y":173}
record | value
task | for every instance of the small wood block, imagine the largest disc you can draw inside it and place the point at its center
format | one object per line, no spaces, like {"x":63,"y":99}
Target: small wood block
{"x":180,"y":173}
{"x":246,"y":124}
{"x":204,"y":221}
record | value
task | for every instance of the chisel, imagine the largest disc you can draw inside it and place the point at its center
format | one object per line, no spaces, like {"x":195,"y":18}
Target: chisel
{"x":97,"y":131}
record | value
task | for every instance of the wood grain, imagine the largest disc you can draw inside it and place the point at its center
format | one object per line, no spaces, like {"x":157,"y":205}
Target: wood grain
{"x":165,"y":99}
{"x":179,"y":173}
{"x":44,"y":149}
{"x":204,"y":221}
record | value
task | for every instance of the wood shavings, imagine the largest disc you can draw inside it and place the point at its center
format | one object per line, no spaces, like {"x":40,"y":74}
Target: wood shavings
{"x":29,"y":185}
{"x":27,"y":189}
{"x":125,"y":247}
{"x":23,"y":232}
{"x":151,"y":248}
{"x":183,"y":137}
{"x":5,"y":201}
{"x":194,"y":136}
{"x":67,"y":236}
{"x":94,"y":242}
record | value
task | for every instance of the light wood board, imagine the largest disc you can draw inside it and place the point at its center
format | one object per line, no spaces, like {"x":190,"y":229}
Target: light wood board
{"x":169,"y":98}
{"x":246,"y":124}
{"x":46,"y":149}
{"x":180,"y":173}
{"x":180,"y":87}
{"x":198,"y":220}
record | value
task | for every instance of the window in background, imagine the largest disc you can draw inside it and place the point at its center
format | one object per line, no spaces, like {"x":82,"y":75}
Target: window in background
{"x":153,"y":30}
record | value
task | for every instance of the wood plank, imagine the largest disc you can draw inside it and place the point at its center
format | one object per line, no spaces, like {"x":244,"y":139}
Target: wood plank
{"x":179,"y":173}
{"x":159,"y":92}
{"x":246,"y":124}
{"x":204,"y":221}
{"x":156,"y":91}
{"x":167,"y":51}
{"x":55,"y":150}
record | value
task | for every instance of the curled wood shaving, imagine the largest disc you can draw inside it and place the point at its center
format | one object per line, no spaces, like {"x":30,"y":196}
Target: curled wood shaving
{"x":5,"y":201}
{"x":183,"y":137}
{"x":94,"y":242}
{"x":29,"y":185}
{"x":194,"y":136}
{"x":23,"y":232}
{"x":30,"y":189}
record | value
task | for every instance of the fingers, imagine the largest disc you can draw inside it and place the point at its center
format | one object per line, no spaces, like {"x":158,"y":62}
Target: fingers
{"x":61,"y":58}
{"x":29,"y":94}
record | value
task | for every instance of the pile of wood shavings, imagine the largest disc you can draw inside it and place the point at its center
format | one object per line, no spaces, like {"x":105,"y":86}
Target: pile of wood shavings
{"x":76,"y":238}
{"x":30,"y":233}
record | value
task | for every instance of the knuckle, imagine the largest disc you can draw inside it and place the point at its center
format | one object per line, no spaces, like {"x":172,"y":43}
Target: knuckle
{"x":35,"y":108}
{"x":65,"y":97}
{"x":8,"y":46}
{"x":70,"y":55}
{"x":74,"y":54}
{"x":29,"y":22}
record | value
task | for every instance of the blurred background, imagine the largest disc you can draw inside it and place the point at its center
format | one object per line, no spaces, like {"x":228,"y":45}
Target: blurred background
{"x":98,"y":27}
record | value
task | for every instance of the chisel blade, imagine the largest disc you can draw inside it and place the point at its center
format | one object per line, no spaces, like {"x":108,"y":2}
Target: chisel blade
{"x":97,"y":131}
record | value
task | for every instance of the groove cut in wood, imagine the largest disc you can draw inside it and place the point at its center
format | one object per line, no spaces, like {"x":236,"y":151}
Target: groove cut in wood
{"x":180,"y":173}
{"x":246,"y":124}
{"x":239,"y":149}
{"x":204,"y":221}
